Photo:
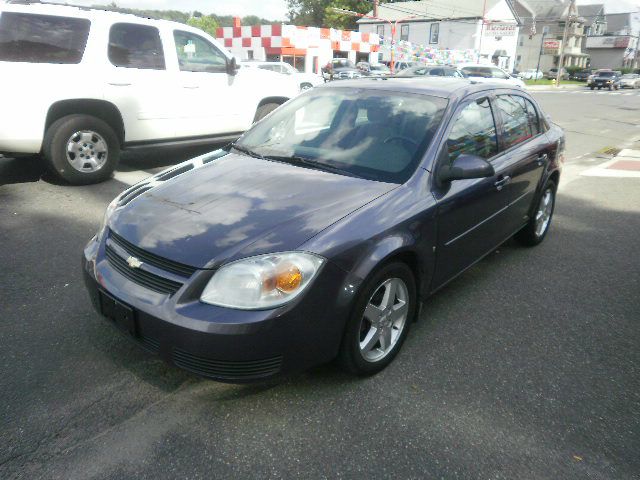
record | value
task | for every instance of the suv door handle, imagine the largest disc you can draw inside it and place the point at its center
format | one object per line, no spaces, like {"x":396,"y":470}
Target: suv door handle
{"x":542,"y":159}
{"x":502,"y":181}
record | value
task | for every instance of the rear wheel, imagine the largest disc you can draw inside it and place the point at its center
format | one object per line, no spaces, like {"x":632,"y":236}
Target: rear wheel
{"x":535,"y":231}
{"x":305,"y":86}
{"x":81,"y":149}
{"x":264,"y":110}
{"x":380,"y":321}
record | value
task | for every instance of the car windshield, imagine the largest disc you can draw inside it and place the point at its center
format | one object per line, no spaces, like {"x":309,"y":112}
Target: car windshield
{"x":361,"y":132}
{"x":342,"y":63}
{"x":630,"y":75}
{"x":605,"y":74}
{"x":379,"y":68}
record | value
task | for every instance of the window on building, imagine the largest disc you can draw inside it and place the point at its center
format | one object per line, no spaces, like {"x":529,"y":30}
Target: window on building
{"x":195,"y":54}
{"x":135,"y":46}
{"x":474,"y":132}
{"x":42,"y":38}
{"x":434,"y":33}
{"x":380,"y":30}
{"x":249,"y":54}
{"x":404,"y":33}
{"x":515,"y":119}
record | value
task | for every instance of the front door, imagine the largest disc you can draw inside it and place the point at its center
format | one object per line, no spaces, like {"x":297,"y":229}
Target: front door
{"x":471,"y":213}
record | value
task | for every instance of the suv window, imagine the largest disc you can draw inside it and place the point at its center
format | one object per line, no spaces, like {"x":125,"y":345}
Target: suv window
{"x":515,"y":119}
{"x":42,"y":38}
{"x":474,"y":132}
{"x":135,"y":46}
{"x":195,"y":54}
{"x":436,"y":72}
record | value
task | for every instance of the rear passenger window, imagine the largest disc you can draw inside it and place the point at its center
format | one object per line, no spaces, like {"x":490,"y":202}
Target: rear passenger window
{"x":534,"y":121}
{"x":42,"y":38}
{"x":437,"y":72}
{"x":136,"y":46}
{"x":474,"y":132}
{"x":515,"y":119}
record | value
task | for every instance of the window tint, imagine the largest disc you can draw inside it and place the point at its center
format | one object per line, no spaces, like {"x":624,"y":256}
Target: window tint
{"x":477,"y":71}
{"x":515,"y":119}
{"x":534,"y":121}
{"x":42,"y":38}
{"x":135,"y":46}
{"x":195,"y":54}
{"x":474,"y":132}
{"x":497,"y":73}
{"x":437,"y":72}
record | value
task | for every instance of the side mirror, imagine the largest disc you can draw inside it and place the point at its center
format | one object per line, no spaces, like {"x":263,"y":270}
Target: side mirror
{"x":464,"y":167}
{"x":232,"y":66}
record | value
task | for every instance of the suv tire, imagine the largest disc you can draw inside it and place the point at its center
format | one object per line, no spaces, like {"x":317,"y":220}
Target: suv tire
{"x":71,"y":139}
{"x":264,"y":110}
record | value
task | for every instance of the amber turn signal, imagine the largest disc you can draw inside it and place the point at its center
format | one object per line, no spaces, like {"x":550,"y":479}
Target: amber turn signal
{"x":289,"y":278}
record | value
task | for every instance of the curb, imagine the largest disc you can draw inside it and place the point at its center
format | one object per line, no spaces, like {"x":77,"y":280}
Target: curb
{"x":555,"y":89}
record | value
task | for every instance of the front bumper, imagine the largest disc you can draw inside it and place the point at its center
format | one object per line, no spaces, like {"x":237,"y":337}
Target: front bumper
{"x":228,"y":345}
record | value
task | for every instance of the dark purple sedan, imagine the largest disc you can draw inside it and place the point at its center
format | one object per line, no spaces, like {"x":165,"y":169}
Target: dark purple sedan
{"x":319,"y":231}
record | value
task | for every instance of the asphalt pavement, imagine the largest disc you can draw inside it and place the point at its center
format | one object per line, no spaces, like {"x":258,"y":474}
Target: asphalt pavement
{"x":525,"y":367}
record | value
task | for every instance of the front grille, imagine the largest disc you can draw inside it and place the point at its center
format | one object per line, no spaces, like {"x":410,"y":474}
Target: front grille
{"x":141,"y":277}
{"x":152,"y":259}
{"x":226,"y":370}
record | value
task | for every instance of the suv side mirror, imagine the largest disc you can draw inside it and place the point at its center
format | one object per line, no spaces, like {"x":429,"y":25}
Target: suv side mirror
{"x":232,"y":66}
{"x":464,"y":167}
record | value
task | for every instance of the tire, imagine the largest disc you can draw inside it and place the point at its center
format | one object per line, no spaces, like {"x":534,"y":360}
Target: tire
{"x":264,"y":110}
{"x":359,"y":328}
{"x":102,"y":148}
{"x":592,"y":88}
{"x":599,"y":88}
{"x":305,"y":86}
{"x":533,"y":234}
{"x":610,"y":88}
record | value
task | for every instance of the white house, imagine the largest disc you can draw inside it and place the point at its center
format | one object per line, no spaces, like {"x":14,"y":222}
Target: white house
{"x":489,"y":28}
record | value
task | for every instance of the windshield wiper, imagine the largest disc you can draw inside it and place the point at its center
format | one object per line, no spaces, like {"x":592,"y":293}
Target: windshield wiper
{"x":246,"y":151}
{"x":307,"y":162}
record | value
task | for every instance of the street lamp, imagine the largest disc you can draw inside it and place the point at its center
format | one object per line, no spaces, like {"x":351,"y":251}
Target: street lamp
{"x":393,"y":27}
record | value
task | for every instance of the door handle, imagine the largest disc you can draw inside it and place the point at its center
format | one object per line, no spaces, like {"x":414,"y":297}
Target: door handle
{"x":502,"y":181}
{"x":191,"y":87}
{"x":542,"y":159}
{"x":120,"y":84}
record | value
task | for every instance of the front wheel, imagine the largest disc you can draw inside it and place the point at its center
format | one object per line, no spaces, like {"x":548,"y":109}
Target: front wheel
{"x":305,"y":86}
{"x":534,"y":232}
{"x":380,"y":321}
{"x":592,"y":88}
{"x":81,"y":149}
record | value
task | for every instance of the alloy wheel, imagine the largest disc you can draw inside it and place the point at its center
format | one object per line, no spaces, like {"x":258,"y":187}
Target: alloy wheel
{"x":87,"y":151}
{"x":543,"y":215}
{"x":384,"y":319}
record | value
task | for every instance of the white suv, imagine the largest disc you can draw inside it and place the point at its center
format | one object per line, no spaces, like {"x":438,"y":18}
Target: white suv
{"x":78,"y":85}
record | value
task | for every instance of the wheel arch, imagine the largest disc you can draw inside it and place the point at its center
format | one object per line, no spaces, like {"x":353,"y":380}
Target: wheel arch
{"x":266,"y":100}
{"x":101,"y":109}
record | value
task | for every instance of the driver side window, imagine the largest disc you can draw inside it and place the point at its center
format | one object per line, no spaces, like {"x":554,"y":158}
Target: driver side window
{"x":195,"y":54}
{"x":474,"y":132}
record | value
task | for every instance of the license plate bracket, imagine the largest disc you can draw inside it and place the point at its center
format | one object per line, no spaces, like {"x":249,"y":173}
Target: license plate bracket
{"x":119,"y":313}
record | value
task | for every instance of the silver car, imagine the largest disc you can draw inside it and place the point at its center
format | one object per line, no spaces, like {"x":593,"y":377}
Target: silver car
{"x":630,"y":80}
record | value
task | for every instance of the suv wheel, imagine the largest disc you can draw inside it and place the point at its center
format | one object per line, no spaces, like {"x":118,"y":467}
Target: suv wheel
{"x":264,"y":110}
{"x":81,"y":149}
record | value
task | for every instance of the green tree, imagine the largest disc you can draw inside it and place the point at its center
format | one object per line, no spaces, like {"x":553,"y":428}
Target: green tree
{"x":206,"y":23}
{"x":320,"y":13}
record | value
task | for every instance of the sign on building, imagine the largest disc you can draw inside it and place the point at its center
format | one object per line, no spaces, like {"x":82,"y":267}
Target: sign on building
{"x":500,"y":30}
{"x":551,"y":46}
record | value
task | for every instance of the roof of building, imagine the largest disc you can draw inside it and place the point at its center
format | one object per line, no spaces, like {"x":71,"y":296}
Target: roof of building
{"x":591,"y":12}
{"x":432,"y":10}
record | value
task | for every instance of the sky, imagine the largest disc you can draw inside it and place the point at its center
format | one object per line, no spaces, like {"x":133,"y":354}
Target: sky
{"x":277,"y":9}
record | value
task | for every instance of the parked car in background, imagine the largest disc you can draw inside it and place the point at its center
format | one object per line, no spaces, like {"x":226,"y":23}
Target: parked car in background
{"x":379,"y":70}
{"x":431,"y":70}
{"x":531,"y":74}
{"x":305,"y":80}
{"x":341,"y":69}
{"x":351,"y":204}
{"x":552,"y":74}
{"x":82,"y":84}
{"x":630,"y":80}
{"x":581,"y":75}
{"x":490,"y":73}
{"x":402,"y":65}
{"x":604,"y":78}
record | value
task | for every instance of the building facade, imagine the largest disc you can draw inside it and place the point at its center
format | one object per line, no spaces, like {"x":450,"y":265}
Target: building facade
{"x":451,"y":25}
{"x":541,"y":36}
{"x":618,"y":45}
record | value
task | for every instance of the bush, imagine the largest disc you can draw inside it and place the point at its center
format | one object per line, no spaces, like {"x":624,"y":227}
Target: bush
{"x":573,"y":69}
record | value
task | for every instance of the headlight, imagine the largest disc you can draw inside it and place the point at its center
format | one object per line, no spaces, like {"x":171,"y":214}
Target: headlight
{"x":107,"y":214}
{"x":262,"y":282}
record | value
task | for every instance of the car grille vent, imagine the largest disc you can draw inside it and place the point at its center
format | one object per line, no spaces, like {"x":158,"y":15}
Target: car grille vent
{"x":151,"y":259}
{"x":150,"y":344}
{"x":133,"y":194}
{"x":141,"y":277}
{"x":175,"y":172}
{"x":226,"y":370}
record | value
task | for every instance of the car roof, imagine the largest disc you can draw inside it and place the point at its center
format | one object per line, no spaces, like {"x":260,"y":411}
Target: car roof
{"x":444,"y":87}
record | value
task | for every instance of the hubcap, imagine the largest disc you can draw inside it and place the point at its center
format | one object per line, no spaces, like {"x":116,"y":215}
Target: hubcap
{"x":545,"y":209}
{"x":384,"y":319}
{"x":87,"y":151}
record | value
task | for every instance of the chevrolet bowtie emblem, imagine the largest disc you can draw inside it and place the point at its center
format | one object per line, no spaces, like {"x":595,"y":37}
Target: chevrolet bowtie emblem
{"x":133,"y":262}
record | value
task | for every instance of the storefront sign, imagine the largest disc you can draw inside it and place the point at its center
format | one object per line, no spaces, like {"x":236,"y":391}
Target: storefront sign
{"x":551,"y":47}
{"x":500,"y":30}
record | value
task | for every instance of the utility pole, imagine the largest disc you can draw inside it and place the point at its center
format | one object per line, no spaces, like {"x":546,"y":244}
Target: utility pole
{"x":544,"y":32}
{"x":572,"y":5}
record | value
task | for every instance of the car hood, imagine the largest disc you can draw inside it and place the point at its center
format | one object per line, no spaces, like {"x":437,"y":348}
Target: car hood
{"x":236,"y":206}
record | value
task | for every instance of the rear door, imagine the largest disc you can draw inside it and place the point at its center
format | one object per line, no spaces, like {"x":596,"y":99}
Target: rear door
{"x":525,"y":154}
{"x":471,"y":213}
